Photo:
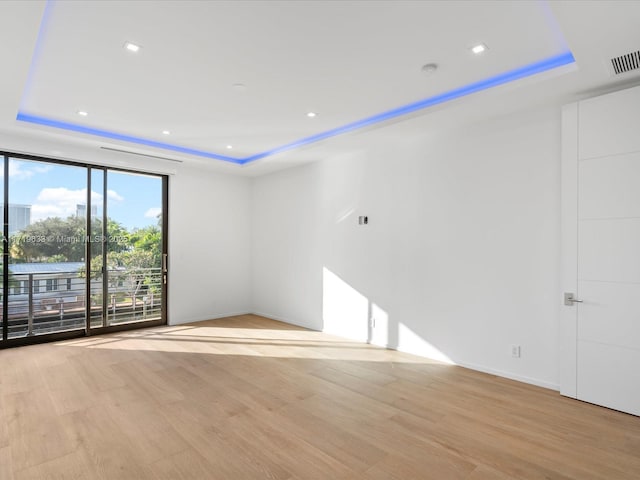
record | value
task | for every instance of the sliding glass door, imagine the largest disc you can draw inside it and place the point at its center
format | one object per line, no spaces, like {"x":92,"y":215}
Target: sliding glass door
{"x":46,"y":249}
{"x":84,"y":249}
{"x":133,"y":281}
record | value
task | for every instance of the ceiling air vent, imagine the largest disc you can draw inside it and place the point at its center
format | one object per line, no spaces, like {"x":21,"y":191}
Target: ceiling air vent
{"x":626,"y":63}
{"x":129,"y":152}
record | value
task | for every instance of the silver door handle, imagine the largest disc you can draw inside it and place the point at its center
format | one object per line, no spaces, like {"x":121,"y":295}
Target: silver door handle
{"x":569,"y":299}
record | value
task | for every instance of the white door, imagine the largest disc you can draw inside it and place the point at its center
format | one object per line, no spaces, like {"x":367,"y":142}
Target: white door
{"x":602,"y":240}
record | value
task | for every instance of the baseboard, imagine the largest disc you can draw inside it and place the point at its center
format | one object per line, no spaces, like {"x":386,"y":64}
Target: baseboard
{"x":215,"y":316}
{"x":283,"y":320}
{"x":492,"y":371}
{"x":512,"y":376}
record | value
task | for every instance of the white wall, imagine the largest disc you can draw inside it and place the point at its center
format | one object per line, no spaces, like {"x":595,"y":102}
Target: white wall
{"x":209,"y":245}
{"x":461,"y":256}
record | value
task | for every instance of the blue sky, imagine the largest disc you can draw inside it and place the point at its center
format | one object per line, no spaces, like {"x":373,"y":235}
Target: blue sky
{"x":55,"y":190}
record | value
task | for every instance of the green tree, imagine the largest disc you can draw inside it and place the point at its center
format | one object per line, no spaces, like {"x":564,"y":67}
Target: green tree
{"x":135,"y":268}
{"x":148,"y":239}
{"x":63,"y":240}
{"x":119,"y":239}
{"x":51,"y":238}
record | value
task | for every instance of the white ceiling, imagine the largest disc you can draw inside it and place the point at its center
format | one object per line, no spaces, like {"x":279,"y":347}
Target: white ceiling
{"x":344,"y":60}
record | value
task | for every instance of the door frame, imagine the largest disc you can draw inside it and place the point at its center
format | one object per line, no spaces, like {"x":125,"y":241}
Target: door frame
{"x":568,"y":338}
{"x":5,"y":342}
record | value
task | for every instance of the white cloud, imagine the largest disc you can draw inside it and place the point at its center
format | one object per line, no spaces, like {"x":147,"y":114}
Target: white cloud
{"x":96,"y":198}
{"x":17,"y":171}
{"x":58,"y":202}
{"x":63,"y":202}
{"x":23,"y":171}
{"x":114,"y":196}
{"x":153,"y":212}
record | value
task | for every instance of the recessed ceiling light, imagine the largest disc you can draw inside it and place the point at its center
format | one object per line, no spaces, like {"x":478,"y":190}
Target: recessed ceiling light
{"x":504,"y":78}
{"x":480,"y":48}
{"x":429,"y":68}
{"x":312,"y":114}
{"x":229,"y":147}
{"x":239,"y":87}
{"x":166,"y":132}
{"x":82,"y":113}
{"x":132,"y":47}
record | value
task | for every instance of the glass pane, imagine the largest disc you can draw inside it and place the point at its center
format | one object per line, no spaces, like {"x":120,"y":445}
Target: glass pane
{"x":96,"y":245}
{"x":134,"y":247}
{"x":47,"y":233}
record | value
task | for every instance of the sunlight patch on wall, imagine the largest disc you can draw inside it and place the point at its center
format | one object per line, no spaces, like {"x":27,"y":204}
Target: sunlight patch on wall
{"x":411,"y":342}
{"x":345,"y":311}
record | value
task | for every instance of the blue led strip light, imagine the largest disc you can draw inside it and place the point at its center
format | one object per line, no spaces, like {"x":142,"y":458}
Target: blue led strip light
{"x":510,"y":76}
{"x":125,"y":138}
{"x":506,"y":77}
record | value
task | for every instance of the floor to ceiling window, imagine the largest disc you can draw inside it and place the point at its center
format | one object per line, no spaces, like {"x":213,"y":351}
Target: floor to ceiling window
{"x":84,"y":249}
{"x":3,"y":249}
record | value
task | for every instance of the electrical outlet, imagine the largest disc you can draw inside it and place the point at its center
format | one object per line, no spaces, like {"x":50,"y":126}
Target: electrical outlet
{"x":515,"y":351}
{"x":372,"y":322}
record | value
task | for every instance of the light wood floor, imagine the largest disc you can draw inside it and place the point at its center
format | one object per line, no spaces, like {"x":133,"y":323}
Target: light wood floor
{"x":250,"y":398}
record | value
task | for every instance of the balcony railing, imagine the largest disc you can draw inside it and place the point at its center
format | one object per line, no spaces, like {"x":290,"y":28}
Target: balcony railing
{"x":40,"y":303}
